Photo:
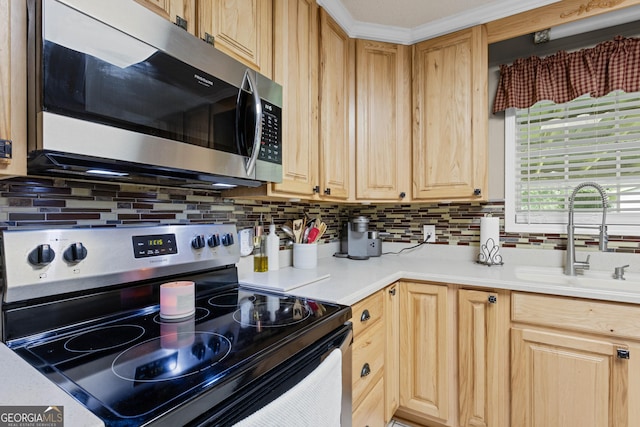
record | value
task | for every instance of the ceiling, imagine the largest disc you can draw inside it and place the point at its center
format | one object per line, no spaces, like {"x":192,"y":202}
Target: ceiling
{"x":411,"y":21}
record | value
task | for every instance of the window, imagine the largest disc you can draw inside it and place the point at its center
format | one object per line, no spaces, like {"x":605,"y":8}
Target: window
{"x":550,"y":148}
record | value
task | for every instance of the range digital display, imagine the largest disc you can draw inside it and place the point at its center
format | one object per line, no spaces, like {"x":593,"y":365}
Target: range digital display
{"x":154,"y":245}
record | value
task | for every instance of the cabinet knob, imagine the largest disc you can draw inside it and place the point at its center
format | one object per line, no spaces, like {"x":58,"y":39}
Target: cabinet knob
{"x":316,"y":189}
{"x":327,"y":191}
{"x":392,"y":291}
{"x":623,"y":353}
{"x":403,"y":195}
{"x":366,"y":370}
{"x":492,"y":299}
{"x":365,"y":316}
{"x":477,"y":192}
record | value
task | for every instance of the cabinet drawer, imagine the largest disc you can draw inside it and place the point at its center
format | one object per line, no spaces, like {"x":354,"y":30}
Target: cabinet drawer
{"x":370,"y":413}
{"x":366,"y":312}
{"x":367,"y":362}
{"x":607,"y":318}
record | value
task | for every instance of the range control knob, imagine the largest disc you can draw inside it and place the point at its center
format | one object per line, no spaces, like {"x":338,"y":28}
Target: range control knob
{"x":75,"y":253}
{"x":198,"y":242}
{"x":227,"y":239}
{"x":213,"y":241}
{"x":41,"y":255}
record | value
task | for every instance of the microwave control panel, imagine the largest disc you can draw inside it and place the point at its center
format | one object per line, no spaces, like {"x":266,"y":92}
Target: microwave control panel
{"x":270,"y":149}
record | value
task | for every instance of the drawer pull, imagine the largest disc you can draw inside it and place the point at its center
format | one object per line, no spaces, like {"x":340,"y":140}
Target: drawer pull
{"x":366,"y":370}
{"x":623,"y":353}
{"x":365,"y":316}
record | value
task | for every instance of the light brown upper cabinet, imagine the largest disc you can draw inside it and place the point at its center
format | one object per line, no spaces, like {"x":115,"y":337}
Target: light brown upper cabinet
{"x":13,"y":88}
{"x":450,"y":134}
{"x":336,"y":109}
{"x":240,"y":28}
{"x":180,"y":12}
{"x":296,"y":69}
{"x":383,"y":117}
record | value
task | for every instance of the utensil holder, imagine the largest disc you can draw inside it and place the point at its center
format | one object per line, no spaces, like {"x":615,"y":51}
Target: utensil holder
{"x":305,"y":255}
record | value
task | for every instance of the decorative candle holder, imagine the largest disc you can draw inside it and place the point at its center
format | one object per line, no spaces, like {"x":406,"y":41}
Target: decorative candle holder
{"x":177,"y":300}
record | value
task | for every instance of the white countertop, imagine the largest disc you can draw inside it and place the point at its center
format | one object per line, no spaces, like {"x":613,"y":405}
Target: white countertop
{"x":23,"y":385}
{"x":523,"y":270}
{"x":349,"y":281}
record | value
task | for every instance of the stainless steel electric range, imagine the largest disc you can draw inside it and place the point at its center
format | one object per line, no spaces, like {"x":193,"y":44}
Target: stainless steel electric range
{"x":82,"y":307}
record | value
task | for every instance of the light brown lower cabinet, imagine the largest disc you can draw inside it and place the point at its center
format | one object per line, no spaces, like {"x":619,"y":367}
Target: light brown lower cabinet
{"x":483,"y":358}
{"x":574,"y":363}
{"x":440,"y":355}
{"x":367,"y":363}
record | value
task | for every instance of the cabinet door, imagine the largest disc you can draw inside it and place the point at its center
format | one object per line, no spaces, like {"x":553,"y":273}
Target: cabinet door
{"x":392,"y":351}
{"x":180,"y":12}
{"x":383,"y":116}
{"x":483,"y":358}
{"x":425,"y":371}
{"x":450,"y":117}
{"x":296,"y":69}
{"x":240,"y":28}
{"x":336,"y":115}
{"x":13,"y":87}
{"x":558,"y":379}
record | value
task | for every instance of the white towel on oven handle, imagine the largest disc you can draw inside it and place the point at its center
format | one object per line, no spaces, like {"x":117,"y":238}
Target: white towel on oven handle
{"x":314,"y":401}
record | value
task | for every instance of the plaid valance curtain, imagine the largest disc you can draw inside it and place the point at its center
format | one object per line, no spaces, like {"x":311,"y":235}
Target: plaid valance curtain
{"x":609,"y":66}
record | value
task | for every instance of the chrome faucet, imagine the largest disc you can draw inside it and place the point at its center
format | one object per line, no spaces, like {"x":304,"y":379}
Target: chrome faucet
{"x":571,"y":264}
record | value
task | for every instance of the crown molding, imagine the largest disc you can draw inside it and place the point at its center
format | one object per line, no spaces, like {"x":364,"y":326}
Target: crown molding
{"x":469,"y":18}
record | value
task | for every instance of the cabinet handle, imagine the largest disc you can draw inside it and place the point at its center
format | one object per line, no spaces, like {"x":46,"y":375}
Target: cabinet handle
{"x":366,"y":370}
{"x":492,"y":299}
{"x":208,"y":38}
{"x":327,"y":191}
{"x":365,"y":316}
{"x":181,"y":22}
{"x":316,"y":189}
{"x":623,"y":353}
{"x":392,"y":291}
{"x":5,"y":150}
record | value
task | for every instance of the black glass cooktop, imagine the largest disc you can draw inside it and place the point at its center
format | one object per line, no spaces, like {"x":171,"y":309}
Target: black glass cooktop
{"x":130,"y":366}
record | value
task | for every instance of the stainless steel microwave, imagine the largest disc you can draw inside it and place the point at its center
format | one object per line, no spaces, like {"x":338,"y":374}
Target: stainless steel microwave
{"x":117,"y":92}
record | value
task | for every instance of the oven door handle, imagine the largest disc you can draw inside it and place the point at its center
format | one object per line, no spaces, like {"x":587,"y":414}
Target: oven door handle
{"x":249,"y":84}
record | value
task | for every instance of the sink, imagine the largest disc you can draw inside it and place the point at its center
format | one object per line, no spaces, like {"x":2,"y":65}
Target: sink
{"x":591,"y":279}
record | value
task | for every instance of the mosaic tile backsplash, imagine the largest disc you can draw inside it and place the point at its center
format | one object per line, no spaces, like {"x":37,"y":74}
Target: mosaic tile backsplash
{"x":48,"y":202}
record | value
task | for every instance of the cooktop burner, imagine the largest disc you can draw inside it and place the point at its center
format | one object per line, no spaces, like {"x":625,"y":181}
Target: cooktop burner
{"x":171,"y":356}
{"x":104,"y":338}
{"x":271,"y":315}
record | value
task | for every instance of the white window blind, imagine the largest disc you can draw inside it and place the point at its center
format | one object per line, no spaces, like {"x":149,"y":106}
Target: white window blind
{"x":554,"y":147}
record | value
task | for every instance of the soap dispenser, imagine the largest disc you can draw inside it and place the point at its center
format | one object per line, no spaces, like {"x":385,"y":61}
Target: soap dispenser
{"x":273,"y":248}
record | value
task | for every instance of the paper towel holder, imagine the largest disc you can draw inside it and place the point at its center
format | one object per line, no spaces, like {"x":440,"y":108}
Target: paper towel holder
{"x":489,"y":252}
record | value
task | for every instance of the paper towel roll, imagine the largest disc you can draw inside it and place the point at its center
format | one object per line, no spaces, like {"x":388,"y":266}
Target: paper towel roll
{"x":489,"y":238}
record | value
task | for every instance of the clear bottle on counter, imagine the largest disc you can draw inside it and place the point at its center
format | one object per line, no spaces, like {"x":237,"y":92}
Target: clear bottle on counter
{"x":273,"y":248}
{"x":260,"y":259}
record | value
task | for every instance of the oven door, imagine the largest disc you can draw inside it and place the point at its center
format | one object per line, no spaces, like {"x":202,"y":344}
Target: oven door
{"x":302,"y":388}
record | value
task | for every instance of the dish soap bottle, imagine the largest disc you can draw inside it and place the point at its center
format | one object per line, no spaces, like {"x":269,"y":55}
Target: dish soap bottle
{"x":260,"y":261}
{"x":273,"y":248}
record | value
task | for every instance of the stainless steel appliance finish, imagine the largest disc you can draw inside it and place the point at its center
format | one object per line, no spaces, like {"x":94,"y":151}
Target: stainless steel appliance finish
{"x":117,"y":90}
{"x":354,"y":239}
{"x":82,"y":307}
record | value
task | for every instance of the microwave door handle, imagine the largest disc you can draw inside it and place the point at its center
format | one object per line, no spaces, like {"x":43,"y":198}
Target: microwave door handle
{"x":249,"y":82}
